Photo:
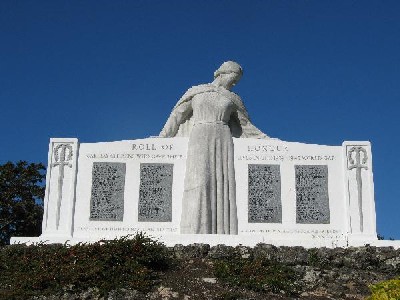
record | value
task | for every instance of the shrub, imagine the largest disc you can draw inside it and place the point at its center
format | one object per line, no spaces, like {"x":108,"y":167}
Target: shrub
{"x":258,"y":274}
{"x":386,"y":290}
{"x":26,"y":271}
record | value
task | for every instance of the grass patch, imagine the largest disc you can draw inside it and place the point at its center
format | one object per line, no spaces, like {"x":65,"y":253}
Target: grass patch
{"x":133,"y":262}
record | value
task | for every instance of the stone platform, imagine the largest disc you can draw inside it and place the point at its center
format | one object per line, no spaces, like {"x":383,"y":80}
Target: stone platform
{"x":288,"y":193}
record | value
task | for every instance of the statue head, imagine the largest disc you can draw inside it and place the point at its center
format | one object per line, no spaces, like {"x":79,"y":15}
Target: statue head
{"x":229,"y":67}
{"x":228,"y":74}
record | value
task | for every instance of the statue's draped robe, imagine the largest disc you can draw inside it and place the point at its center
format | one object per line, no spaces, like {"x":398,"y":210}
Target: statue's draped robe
{"x":210,"y":116}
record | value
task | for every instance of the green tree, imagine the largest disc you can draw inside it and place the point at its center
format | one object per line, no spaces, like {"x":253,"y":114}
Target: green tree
{"x":21,"y":199}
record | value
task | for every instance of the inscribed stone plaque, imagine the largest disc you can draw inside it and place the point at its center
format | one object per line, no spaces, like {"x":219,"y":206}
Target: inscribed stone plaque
{"x":312,"y":200}
{"x":108,"y":183}
{"x":264,"y":194}
{"x":155,"y":193}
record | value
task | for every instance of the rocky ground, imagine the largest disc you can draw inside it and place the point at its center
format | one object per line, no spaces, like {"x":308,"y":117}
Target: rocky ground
{"x":221,"y":272}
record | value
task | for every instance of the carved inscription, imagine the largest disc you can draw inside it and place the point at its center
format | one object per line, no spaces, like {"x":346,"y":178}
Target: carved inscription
{"x":312,"y":200}
{"x":155,"y":193}
{"x":119,"y":156}
{"x":264,"y":194}
{"x":108,"y":183}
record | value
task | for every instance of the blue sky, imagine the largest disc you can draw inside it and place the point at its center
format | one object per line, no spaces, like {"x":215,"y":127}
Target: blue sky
{"x":317,"y":72}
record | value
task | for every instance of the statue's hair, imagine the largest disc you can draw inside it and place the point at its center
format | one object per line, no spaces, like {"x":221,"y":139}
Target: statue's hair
{"x":229,"y":67}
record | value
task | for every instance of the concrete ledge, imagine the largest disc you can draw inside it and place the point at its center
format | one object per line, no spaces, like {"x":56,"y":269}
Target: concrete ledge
{"x":213,"y":240}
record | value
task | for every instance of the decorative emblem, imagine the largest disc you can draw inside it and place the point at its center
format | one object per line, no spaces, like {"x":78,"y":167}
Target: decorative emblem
{"x":62,"y":157}
{"x":358,"y":164}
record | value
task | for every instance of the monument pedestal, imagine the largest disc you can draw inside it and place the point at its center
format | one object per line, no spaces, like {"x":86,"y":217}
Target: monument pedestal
{"x":287,"y":194}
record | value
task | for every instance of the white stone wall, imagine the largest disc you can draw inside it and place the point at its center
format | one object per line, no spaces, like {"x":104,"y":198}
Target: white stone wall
{"x":343,"y":229}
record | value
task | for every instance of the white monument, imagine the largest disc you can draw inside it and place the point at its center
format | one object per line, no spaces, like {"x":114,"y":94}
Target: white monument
{"x":211,"y":177}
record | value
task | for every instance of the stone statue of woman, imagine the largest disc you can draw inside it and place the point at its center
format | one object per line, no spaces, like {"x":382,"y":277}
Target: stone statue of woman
{"x":210,"y":114}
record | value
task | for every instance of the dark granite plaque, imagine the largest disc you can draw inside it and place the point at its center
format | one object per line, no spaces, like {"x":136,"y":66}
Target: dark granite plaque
{"x":264,"y":194}
{"x":155,"y":194}
{"x":312,"y":200}
{"x":107,"y":199}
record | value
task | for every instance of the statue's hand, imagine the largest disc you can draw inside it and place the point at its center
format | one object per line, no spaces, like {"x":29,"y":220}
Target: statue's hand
{"x":162,"y":134}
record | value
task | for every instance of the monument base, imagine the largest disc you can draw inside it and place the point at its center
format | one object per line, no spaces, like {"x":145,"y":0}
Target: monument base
{"x":171,"y":240}
{"x":287,"y":193}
